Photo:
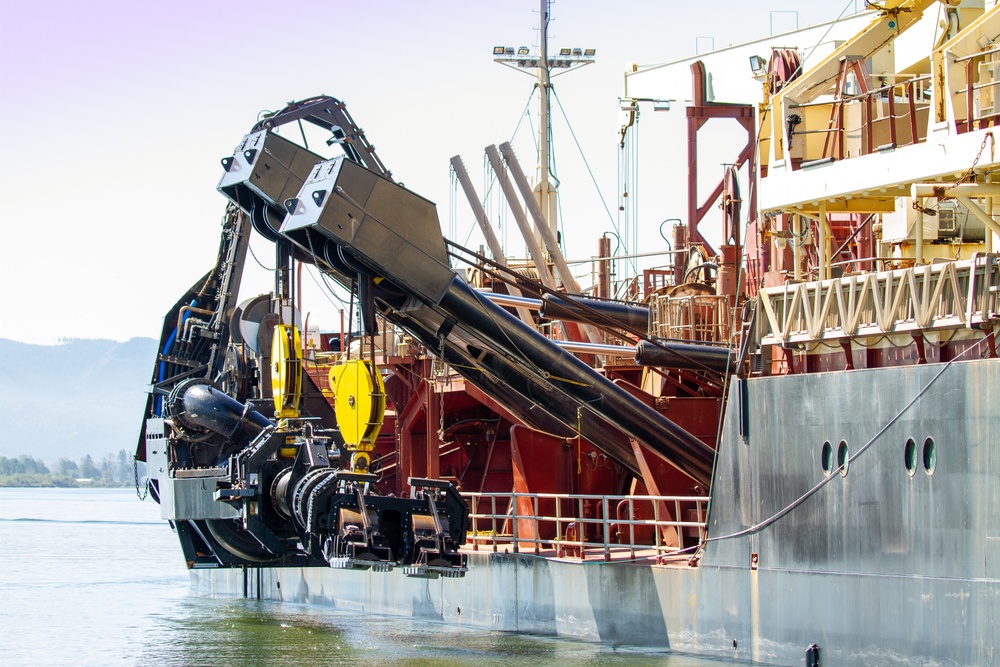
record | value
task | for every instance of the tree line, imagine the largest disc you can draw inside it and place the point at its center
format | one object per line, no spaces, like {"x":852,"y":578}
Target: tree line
{"x":113,"y":470}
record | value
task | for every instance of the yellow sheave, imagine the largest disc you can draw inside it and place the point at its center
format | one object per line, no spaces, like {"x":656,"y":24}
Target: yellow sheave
{"x":359,"y":402}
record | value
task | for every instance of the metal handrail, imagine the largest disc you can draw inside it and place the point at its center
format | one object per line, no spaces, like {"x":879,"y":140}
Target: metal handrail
{"x":978,"y":54}
{"x":971,"y":90}
{"x":835,"y":131}
{"x":498,"y":523}
{"x":889,"y":86}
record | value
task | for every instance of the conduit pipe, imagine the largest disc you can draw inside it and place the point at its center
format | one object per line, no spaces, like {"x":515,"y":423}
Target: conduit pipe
{"x":596,"y":348}
{"x":591,"y":311}
{"x":686,"y":356}
{"x":548,"y":236}
{"x":484,"y":225}
{"x":594,"y":311}
{"x":522,"y":222}
{"x":510,"y":301}
{"x":567,"y":375}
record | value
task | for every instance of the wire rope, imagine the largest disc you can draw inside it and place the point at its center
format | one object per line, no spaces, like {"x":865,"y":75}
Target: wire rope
{"x":756,"y":528}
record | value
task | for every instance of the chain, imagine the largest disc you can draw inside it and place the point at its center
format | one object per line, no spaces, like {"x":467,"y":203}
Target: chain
{"x":969,"y":175}
{"x":259,"y":263}
{"x":135,"y":471}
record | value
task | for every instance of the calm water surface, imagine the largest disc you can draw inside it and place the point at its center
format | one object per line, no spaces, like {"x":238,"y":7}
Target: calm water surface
{"x":94,"y":577}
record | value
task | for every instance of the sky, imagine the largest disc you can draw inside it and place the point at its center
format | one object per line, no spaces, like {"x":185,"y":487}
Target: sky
{"x":116,"y":115}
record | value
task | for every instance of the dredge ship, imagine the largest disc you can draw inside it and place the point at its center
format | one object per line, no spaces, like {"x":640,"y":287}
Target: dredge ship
{"x":782,"y":449}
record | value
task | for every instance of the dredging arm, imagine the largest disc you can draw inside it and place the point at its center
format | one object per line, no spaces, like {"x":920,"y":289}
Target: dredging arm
{"x":362,"y":228}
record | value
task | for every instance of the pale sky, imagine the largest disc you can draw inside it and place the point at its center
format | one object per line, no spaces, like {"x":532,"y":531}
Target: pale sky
{"x":116,"y":114}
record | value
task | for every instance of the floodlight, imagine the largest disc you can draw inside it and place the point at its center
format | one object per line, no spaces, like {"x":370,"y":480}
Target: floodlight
{"x":522,"y":51}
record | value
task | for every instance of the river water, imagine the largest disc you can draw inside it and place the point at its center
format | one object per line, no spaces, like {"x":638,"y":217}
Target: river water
{"x":94,"y":577}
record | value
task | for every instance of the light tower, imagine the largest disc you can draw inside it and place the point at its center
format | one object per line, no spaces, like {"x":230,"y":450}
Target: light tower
{"x":540,"y":67}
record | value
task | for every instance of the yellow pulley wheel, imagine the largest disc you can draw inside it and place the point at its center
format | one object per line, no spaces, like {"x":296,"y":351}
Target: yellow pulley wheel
{"x":359,"y":403}
{"x":286,"y":370}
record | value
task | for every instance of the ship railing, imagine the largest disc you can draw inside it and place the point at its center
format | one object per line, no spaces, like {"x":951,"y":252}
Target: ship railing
{"x":628,"y":289}
{"x":656,"y":279}
{"x":585,"y":526}
{"x":700,"y":317}
{"x":876,"y":120}
{"x":982,"y":76}
{"x":950,"y":295}
{"x":883,"y":120}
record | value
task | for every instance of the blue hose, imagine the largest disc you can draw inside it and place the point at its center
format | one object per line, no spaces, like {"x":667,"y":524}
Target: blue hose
{"x":161,"y":374}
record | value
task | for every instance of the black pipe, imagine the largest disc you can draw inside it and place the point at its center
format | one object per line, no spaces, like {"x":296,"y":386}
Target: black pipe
{"x":593,"y":311}
{"x":524,"y":394}
{"x":482,"y":371}
{"x":686,"y":356}
{"x":400,"y":238}
{"x":535,"y":398}
{"x":573,"y":378}
{"x":199,"y":404}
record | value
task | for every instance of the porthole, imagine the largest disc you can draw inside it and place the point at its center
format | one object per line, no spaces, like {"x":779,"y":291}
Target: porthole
{"x":910,"y":456}
{"x":930,"y":456}
{"x":826,"y":457}
{"x":843,"y":457}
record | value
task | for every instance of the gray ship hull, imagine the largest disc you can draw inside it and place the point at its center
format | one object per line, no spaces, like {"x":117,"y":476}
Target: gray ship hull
{"x":895,"y":562}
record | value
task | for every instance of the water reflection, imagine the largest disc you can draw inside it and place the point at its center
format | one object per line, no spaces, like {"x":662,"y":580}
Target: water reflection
{"x":93,"y":577}
{"x":205,"y":631}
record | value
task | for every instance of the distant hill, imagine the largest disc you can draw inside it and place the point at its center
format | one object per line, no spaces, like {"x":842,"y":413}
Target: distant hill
{"x":79,"y":397}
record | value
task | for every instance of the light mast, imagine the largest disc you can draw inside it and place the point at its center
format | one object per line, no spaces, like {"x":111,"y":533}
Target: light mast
{"x":540,"y":68}
{"x":544,"y":187}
